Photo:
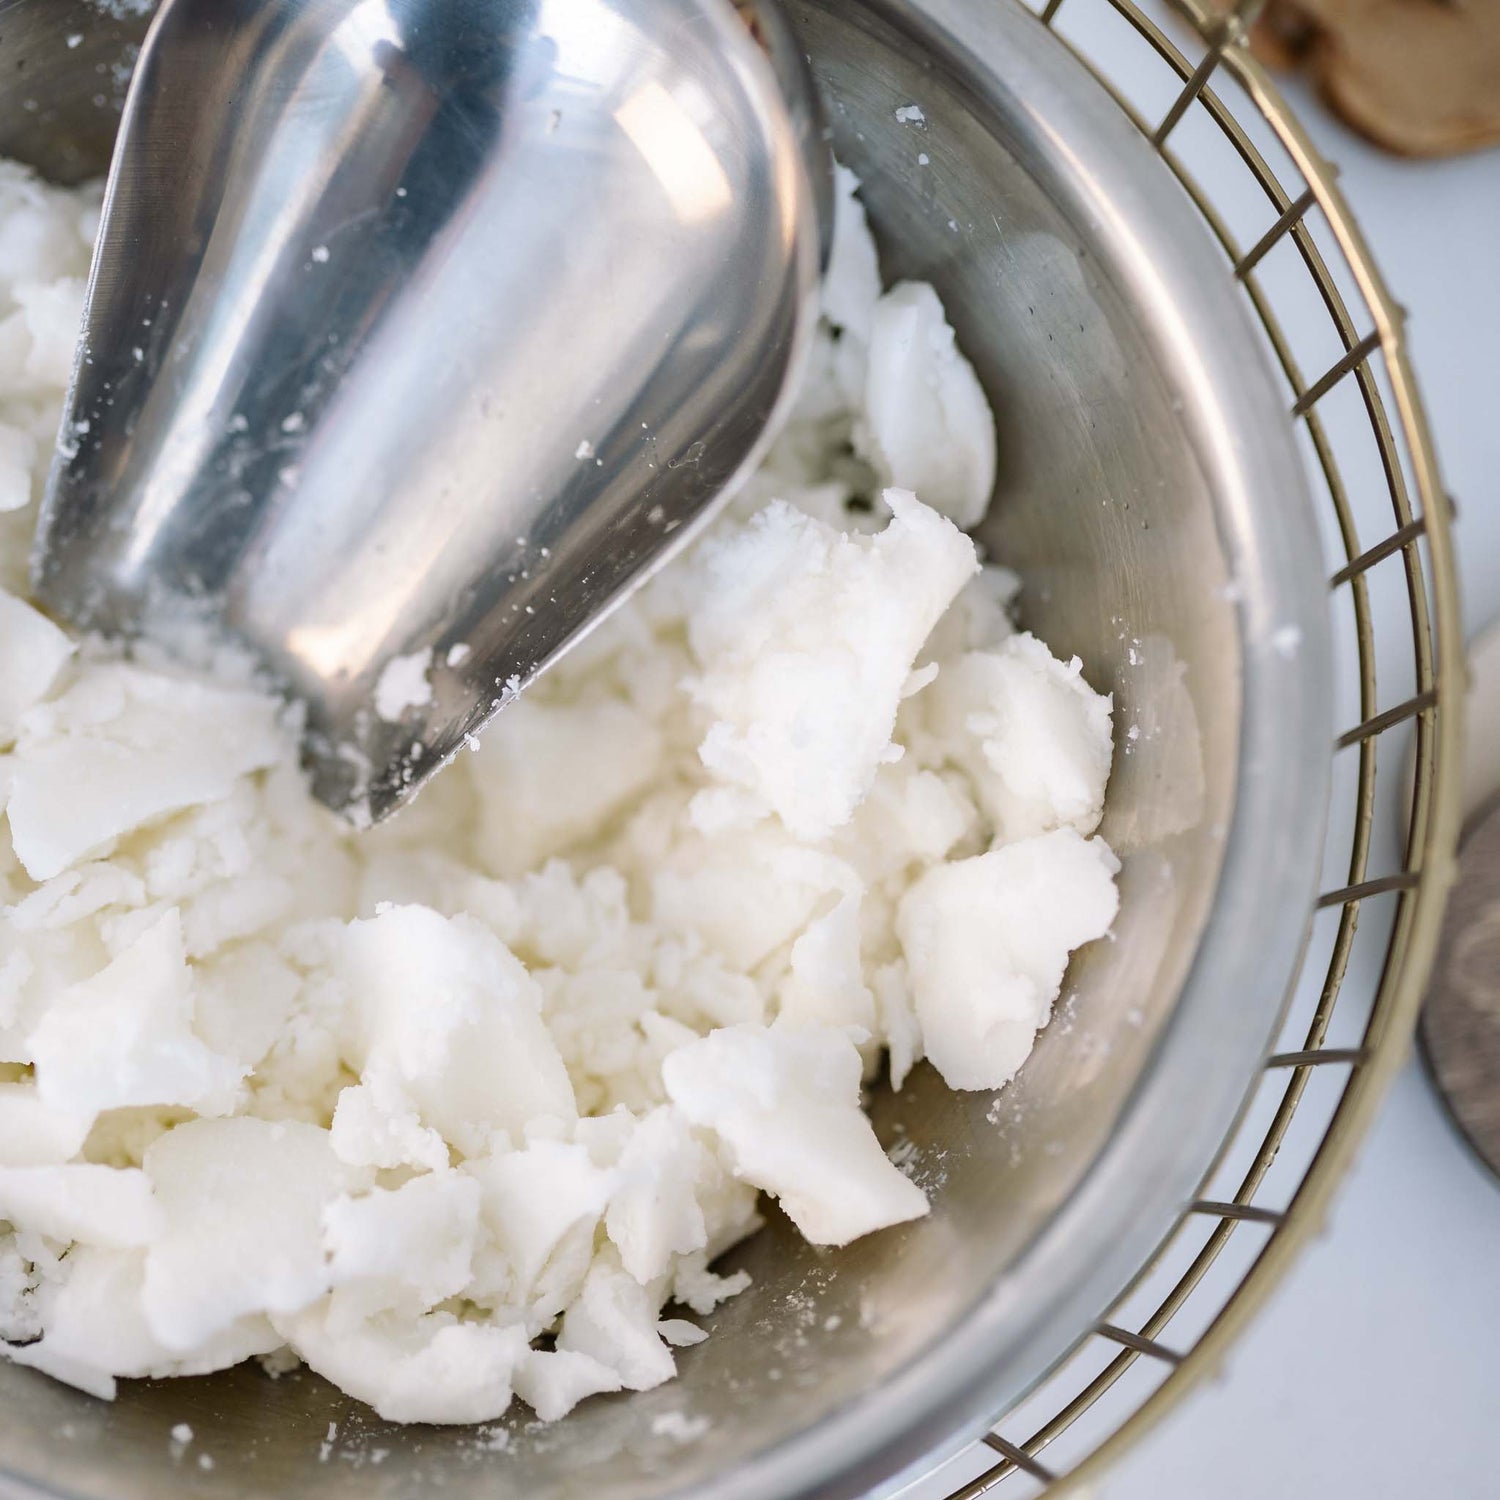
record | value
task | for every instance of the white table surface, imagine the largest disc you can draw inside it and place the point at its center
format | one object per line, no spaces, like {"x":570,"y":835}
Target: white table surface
{"x":1374,"y":1372}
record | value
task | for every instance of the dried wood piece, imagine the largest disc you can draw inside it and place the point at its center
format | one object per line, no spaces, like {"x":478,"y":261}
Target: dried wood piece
{"x":1420,"y":77}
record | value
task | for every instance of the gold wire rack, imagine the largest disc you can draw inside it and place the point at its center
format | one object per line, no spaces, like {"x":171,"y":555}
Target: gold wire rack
{"x":1187,"y":81}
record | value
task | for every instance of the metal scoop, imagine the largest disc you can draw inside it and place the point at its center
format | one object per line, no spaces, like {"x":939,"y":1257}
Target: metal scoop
{"x":419,"y":332}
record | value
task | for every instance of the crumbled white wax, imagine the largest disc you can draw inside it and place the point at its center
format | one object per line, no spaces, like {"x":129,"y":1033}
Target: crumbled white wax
{"x":927,"y":424}
{"x":465,"y":1108}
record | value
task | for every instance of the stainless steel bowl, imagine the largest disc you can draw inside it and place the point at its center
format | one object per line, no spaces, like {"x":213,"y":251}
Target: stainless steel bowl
{"x":1151,"y":495}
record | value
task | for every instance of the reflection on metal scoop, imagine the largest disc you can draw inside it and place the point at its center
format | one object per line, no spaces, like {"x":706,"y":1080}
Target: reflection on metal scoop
{"x":418,"y":332}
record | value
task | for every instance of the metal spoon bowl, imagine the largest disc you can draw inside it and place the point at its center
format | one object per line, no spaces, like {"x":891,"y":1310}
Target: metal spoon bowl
{"x":418,"y":333}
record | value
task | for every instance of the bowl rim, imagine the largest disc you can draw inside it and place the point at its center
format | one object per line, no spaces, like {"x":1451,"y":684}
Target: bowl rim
{"x":1180,"y":1113}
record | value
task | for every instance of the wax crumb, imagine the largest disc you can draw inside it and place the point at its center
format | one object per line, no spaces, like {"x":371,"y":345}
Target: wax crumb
{"x":403,"y":684}
{"x":1286,"y":640}
{"x":679,"y":1426}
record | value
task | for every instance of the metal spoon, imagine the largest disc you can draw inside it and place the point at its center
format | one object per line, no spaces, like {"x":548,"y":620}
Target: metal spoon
{"x":418,"y":333}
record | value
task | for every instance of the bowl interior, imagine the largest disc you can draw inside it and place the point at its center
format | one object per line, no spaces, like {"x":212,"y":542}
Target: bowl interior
{"x":1144,"y":463}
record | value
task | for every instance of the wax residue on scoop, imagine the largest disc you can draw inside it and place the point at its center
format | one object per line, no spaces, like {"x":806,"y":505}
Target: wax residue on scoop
{"x":403,"y":684}
{"x":464,"y":1110}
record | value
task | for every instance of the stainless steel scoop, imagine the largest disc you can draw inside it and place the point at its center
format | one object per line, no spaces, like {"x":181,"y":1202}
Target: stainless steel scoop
{"x":419,"y":331}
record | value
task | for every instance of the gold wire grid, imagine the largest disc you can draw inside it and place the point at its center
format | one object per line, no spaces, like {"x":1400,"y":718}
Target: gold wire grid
{"x":1318,"y":1096}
